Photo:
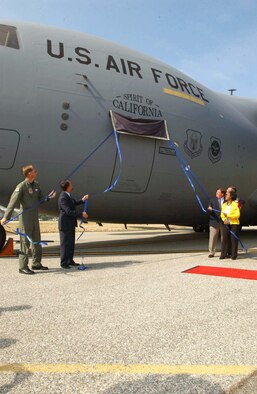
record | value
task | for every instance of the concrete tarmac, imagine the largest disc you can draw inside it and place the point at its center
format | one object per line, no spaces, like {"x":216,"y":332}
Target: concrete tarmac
{"x":132,"y":321}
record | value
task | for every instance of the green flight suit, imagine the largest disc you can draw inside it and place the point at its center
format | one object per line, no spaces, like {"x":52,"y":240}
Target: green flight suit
{"x":27,"y":195}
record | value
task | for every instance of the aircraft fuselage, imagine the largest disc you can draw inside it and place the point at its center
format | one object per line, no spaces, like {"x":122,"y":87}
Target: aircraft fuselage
{"x":57,"y":90}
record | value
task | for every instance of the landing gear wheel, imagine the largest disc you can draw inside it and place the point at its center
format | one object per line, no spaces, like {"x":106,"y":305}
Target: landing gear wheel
{"x":2,"y":237}
{"x":198,"y":228}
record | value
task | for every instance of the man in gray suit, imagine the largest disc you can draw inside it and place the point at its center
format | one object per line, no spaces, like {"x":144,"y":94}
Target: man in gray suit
{"x":67,"y":223}
{"x":215,"y":222}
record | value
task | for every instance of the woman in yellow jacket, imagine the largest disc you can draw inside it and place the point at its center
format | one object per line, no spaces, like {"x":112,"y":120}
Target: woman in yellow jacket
{"x":230,"y":214}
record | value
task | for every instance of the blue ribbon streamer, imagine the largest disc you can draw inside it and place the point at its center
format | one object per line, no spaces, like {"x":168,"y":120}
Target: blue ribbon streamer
{"x":239,"y":240}
{"x":187,"y":171}
{"x":83,"y":220}
{"x":120,"y":159}
{"x":46,"y":197}
{"x":28,"y":209}
{"x":19,"y":214}
{"x":108,"y":188}
{"x":88,"y":157}
{"x":29,"y":239}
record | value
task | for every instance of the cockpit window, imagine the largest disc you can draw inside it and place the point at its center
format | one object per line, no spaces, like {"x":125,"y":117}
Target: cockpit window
{"x":8,"y":36}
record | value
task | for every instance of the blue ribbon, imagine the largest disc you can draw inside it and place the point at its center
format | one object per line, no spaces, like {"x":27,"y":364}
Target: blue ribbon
{"x":83,"y":220}
{"x":120,"y":159}
{"x":19,"y":214}
{"x":88,"y":157}
{"x":108,"y":188}
{"x":239,"y":240}
{"x":187,"y":171}
{"x":46,"y":197}
{"x":29,"y":239}
{"x":28,"y":209}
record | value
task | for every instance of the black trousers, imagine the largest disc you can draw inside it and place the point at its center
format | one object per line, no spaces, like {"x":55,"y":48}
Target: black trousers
{"x":227,"y":238}
{"x":67,"y":244}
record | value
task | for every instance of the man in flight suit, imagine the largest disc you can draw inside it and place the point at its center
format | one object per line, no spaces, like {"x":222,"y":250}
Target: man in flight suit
{"x":28,"y":194}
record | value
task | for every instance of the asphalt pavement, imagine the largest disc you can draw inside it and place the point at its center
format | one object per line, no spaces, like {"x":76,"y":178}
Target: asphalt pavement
{"x":133,"y":321}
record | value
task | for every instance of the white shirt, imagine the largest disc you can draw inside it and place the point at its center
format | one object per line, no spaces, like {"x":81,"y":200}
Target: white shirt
{"x":228,"y":209}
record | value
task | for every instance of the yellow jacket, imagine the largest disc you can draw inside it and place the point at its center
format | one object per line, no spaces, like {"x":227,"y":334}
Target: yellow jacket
{"x":233,"y":212}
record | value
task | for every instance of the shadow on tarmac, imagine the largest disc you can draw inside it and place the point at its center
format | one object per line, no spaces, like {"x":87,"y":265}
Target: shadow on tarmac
{"x":174,"y":242}
{"x":7,"y":342}
{"x":156,"y":384}
{"x":15,"y":308}
{"x":18,"y":378}
{"x":169,"y":241}
{"x":94,"y":267}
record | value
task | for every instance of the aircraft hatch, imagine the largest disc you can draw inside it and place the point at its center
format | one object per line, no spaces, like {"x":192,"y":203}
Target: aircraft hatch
{"x":9,"y":142}
{"x":137,"y":140}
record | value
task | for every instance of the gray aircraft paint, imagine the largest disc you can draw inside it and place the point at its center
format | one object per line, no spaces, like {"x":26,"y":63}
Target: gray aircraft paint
{"x":53,"y":67}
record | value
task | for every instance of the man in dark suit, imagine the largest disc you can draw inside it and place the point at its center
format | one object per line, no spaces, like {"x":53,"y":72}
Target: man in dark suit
{"x":215,"y":222}
{"x":67,"y":223}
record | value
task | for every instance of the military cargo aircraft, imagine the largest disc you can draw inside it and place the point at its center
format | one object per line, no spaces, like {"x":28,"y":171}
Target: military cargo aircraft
{"x":58,"y":89}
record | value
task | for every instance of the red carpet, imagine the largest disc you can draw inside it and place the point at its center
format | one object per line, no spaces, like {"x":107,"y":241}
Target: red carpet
{"x":220,"y":271}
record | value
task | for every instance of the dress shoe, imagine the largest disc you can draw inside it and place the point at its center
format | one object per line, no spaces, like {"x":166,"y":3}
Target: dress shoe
{"x":65,"y":267}
{"x":26,"y":270}
{"x":74,"y":264}
{"x":211,"y":255}
{"x":222,"y":258}
{"x":39,"y":267}
{"x":234,"y":258}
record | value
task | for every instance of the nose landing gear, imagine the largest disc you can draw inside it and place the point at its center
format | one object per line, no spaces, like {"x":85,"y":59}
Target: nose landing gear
{"x":200,"y":228}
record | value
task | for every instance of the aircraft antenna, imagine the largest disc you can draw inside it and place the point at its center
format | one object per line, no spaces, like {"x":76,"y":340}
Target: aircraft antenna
{"x":231,"y":91}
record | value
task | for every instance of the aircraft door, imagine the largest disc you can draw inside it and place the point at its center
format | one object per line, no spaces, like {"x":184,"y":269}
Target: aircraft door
{"x":9,"y":142}
{"x":137,"y":162}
